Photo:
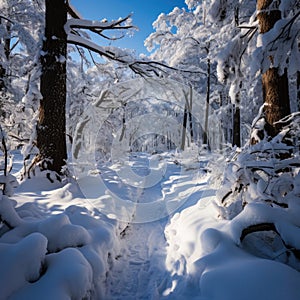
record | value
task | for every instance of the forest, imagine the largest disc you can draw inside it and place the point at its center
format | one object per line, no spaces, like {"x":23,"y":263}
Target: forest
{"x":171,"y":175}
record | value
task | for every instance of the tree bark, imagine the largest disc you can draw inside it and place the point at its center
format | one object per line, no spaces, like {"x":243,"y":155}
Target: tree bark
{"x":275,"y":86}
{"x":51,"y":127}
{"x":276,"y":96}
{"x":236,"y":139}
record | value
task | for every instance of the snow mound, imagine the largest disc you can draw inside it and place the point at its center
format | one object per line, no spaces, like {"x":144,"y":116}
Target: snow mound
{"x":58,"y":256}
{"x":208,"y":263}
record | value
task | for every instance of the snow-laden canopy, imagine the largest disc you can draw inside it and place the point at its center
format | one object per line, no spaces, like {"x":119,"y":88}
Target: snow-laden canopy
{"x":160,"y":121}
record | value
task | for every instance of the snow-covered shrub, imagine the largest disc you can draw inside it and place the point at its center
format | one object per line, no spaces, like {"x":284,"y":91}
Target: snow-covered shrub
{"x":260,"y":194}
{"x":63,"y":256}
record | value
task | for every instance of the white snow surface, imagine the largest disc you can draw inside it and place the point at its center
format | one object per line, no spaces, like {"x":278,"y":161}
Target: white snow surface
{"x":63,"y":247}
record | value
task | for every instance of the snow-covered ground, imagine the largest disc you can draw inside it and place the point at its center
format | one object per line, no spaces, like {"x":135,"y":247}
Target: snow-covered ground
{"x":63,"y":247}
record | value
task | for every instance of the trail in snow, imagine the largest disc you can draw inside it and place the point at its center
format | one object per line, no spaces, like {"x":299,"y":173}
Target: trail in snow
{"x":138,"y":271}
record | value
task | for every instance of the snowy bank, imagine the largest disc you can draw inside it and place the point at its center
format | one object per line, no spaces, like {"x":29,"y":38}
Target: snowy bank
{"x":207,"y":264}
{"x":54,"y":252}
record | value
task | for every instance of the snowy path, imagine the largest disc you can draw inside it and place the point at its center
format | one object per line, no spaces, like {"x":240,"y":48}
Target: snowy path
{"x":139,"y":271}
{"x":88,"y":255}
{"x":137,"y":268}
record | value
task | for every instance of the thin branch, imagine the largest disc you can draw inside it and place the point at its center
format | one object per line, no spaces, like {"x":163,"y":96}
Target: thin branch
{"x":97,"y":26}
{"x":7,"y":19}
{"x":18,"y":138}
{"x":283,"y":29}
{"x":246,"y":27}
{"x":14,"y":46}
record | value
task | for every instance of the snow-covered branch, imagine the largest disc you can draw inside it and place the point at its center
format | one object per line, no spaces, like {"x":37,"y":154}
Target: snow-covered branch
{"x":97,"y":26}
{"x":72,"y":11}
{"x":142,"y":67}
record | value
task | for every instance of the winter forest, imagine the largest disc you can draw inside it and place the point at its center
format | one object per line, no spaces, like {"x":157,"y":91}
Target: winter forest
{"x":171,"y":175}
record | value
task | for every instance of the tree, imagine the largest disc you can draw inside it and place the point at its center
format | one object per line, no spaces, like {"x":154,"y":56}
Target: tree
{"x":234,"y":40}
{"x":5,"y":45}
{"x":20,"y":35}
{"x":51,"y":127}
{"x":183,"y":39}
{"x":275,"y":85}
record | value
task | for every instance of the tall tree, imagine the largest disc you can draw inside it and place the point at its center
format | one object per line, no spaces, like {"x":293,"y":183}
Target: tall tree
{"x":59,"y":31}
{"x":51,"y":127}
{"x":275,"y":85}
{"x":5,"y":38}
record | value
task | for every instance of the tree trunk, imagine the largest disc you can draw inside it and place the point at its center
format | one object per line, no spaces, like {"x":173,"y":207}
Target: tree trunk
{"x":190,"y":114}
{"x":298,"y":90}
{"x":236,"y":136}
{"x":205,"y":134}
{"x":2,"y":75}
{"x":276,"y":96}
{"x":51,"y":127}
{"x":183,"y":135}
{"x":275,"y":86}
{"x":2,"y":69}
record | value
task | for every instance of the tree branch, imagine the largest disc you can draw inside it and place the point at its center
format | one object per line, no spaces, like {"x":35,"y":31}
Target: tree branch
{"x":268,"y":227}
{"x":6,"y":19}
{"x":256,"y":228}
{"x":71,"y":11}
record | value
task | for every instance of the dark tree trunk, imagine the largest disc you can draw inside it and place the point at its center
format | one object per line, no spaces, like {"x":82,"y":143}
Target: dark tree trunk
{"x":7,"y":42}
{"x":205,"y":134}
{"x":190,"y":114}
{"x":236,"y":139}
{"x":3,"y":74}
{"x":51,"y":128}
{"x":2,"y":80}
{"x":275,"y":86}
{"x":183,"y":135}
{"x":298,"y":90}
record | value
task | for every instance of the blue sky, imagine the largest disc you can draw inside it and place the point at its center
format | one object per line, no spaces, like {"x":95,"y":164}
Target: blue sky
{"x":144,"y":13}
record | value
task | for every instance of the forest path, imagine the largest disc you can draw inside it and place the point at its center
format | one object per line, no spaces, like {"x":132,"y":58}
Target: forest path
{"x":138,"y":272}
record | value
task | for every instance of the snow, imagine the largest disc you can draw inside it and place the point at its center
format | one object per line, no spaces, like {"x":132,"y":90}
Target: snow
{"x":22,"y":262}
{"x":215,"y":267}
{"x":62,"y":246}
{"x":155,"y":225}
